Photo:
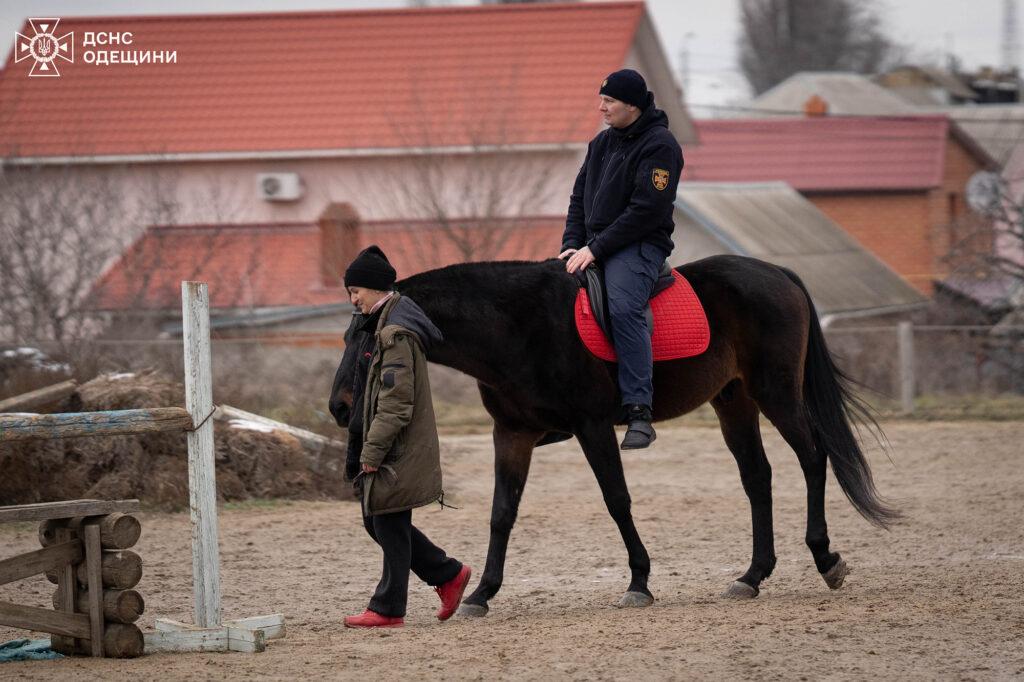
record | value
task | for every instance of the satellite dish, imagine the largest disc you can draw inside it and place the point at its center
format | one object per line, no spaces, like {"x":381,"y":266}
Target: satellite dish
{"x":983,"y":191}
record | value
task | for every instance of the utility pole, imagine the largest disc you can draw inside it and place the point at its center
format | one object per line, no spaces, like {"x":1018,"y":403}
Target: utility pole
{"x":684,"y":61}
{"x":1011,"y":46}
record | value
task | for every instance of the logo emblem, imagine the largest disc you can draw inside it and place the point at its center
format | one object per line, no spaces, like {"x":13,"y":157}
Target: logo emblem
{"x":44,"y":47}
{"x":660,"y":178}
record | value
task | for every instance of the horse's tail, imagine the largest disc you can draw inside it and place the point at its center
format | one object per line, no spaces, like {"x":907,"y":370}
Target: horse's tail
{"x":831,"y":407}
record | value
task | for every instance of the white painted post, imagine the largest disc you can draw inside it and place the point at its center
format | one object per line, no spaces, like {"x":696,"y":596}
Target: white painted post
{"x":195,"y":315}
{"x":905,"y":339}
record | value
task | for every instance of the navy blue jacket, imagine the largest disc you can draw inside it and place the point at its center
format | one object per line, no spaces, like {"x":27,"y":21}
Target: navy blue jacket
{"x":626,"y":188}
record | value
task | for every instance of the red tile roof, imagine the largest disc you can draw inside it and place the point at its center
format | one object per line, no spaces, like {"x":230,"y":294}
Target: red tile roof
{"x":503,"y":74}
{"x":262,"y":266}
{"x":822,"y":153}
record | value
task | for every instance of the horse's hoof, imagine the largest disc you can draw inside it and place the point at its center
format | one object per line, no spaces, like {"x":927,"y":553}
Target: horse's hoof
{"x":740,"y":590}
{"x":472,"y":611}
{"x":635,"y":600}
{"x":835,"y":576}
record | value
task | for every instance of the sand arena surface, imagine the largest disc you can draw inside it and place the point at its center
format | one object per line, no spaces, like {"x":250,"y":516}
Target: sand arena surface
{"x":938,"y":597}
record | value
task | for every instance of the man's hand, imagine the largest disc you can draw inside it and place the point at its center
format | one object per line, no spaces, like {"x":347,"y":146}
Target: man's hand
{"x":367,"y":469}
{"x":579,"y":260}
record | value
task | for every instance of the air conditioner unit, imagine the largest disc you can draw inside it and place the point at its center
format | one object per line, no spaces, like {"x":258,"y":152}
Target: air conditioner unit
{"x":279,"y":186}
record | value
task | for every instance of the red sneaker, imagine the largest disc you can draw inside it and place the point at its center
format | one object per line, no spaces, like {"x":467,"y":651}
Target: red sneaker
{"x":451,"y":593}
{"x":372,"y":619}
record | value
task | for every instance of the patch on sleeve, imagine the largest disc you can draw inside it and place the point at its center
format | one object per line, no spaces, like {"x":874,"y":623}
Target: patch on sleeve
{"x":659,"y":176}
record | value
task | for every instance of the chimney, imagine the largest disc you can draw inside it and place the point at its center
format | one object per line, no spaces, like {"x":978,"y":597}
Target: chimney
{"x":339,"y":242}
{"x":815,"y":106}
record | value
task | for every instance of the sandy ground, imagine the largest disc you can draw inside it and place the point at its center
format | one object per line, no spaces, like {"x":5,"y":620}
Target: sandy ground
{"x":939,"y":597}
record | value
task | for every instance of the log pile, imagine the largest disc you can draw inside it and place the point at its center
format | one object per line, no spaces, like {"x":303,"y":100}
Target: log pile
{"x":120,"y":569}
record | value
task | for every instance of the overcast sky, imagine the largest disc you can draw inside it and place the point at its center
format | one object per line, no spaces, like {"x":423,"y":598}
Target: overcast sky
{"x":708,"y":27}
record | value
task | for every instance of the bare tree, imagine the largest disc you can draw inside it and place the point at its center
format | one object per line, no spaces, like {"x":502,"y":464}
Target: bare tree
{"x":56,"y":240}
{"x":61,"y":227}
{"x":987,"y":248}
{"x":468,"y":184}
{"x":782,"y":37}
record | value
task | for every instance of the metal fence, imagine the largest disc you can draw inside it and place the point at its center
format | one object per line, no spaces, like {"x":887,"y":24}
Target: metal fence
{"x":940,"y":370}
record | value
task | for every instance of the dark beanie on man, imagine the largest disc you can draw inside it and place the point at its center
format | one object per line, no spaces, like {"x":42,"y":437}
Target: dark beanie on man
{"x":626,"y":86}
{"x":371,"y":270}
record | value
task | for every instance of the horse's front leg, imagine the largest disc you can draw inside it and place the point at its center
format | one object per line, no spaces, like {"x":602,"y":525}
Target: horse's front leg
{"x":512,"y":453}
{"x":602,"y":451}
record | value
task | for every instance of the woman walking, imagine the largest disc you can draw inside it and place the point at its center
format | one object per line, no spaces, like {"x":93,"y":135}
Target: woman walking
{"x":395,"y":456}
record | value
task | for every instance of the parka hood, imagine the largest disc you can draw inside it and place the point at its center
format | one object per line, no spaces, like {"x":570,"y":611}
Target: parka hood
{"x":406,"y":313}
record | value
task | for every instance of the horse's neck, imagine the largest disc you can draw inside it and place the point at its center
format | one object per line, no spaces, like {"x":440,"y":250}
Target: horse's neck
{"x":464,"y":348}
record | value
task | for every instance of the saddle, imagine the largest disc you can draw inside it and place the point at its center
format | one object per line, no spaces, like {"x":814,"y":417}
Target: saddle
{"x":675,"y":316}
{"x":592,"y":279}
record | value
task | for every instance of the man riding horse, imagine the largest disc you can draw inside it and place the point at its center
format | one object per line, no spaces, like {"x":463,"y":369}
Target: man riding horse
{"x":620,"y":217}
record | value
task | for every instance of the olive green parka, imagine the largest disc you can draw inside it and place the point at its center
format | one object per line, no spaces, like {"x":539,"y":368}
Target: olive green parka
{"x":399,"y":432}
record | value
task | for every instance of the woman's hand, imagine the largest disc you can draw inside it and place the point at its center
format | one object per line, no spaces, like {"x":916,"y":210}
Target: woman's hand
{"x":367,"y":469}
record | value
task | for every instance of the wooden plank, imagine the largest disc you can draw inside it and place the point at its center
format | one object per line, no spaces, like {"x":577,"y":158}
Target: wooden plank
{"x":93,"y":555}
{"x":208,"y":639}
{"x":27,"y":402}
{"x":195,"y":315}
{"x":66,"y":509}
{"x":172,"y":635}
{"x":272,"y":625}
{"x":313,"y":442}
{"x":247,"y":641}
{"x":79,"y":424}
{"x":66,"y":579}
{"x":40,"y":561}
{"x":175,"y":634}
{"x":44,"y":620}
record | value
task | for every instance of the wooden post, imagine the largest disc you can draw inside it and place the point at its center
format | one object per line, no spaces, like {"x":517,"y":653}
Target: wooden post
{"x":905,"y":342}
{"x":195,"y":313}
{"x":93,"y":554}
{"x":66,"y":576}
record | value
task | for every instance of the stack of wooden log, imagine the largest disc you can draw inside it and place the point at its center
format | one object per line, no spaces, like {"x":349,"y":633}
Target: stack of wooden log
{"x":120,"y":571}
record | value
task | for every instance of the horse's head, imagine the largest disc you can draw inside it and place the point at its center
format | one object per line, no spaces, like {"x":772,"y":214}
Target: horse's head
{"x":341,"y":391}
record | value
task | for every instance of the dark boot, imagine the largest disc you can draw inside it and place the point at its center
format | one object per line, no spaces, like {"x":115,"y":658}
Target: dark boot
{"x":639,"y":433}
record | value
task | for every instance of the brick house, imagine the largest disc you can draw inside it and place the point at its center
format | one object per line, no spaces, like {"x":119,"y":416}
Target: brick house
{"x":895,"y":183}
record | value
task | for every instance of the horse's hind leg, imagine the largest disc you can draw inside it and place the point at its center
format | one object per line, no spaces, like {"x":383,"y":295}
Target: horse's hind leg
{"x":513,"y":451}
{"x":790,"y":418}
{"x":602,"y":452}
{"x":737,"y":414}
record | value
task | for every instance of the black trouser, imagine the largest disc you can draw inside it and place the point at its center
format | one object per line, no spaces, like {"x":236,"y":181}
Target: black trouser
{"x":405,"y":548}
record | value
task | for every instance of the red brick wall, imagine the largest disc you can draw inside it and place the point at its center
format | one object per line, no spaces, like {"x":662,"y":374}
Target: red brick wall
{"x":911,"y":232}
{"x":892,"y":225}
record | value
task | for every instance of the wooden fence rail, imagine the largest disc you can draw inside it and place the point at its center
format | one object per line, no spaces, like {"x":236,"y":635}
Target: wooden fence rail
{"x":75,"y":424}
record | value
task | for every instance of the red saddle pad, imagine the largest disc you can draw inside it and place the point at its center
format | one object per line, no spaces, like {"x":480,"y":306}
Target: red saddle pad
{"x":680,"y":325}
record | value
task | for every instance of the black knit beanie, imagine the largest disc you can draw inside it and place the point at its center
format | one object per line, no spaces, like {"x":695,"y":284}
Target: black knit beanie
{"x":626,"y":86}
{"x":371,"y":270}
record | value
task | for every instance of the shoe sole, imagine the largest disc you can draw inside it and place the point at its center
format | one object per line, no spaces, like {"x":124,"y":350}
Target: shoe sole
{"x":458,"y":600}
{"x":371,"y":627}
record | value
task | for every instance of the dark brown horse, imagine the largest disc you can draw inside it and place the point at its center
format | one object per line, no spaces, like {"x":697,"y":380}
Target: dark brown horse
{"x":510,"y":326}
